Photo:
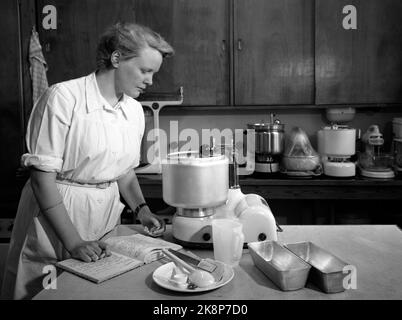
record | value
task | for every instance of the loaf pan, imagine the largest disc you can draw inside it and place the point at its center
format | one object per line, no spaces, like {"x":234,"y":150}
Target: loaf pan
{"x":280,"y":265}
{"x":327,"y":269}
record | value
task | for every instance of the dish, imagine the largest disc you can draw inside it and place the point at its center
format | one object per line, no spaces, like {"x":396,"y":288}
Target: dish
{"x":162,"y":277}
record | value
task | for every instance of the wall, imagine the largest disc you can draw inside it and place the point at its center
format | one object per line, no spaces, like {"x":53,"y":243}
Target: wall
{"x":310,"y":120}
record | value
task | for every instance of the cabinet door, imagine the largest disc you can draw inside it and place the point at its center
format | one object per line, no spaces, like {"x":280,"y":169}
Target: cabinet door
{"x":274,"y":52}
{"x":362,"y":65}
{"x":70,"y":50}
{"x":197,"y":29}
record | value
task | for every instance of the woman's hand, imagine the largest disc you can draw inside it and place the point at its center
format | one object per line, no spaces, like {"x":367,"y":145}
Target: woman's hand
{"x":153,"y":225}
{"x":90,"y":251}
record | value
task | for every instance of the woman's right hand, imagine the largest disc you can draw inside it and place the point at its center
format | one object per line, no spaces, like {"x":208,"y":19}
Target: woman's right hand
{"x":89,"y":251}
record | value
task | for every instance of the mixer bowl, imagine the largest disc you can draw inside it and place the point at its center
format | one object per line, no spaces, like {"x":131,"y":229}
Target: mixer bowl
{"x":376,"y":162}
{"x":300,"y":163}
{"x":190,"y":181}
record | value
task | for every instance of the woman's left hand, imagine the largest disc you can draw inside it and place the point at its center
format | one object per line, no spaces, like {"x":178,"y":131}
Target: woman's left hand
{"x":153,"y":225}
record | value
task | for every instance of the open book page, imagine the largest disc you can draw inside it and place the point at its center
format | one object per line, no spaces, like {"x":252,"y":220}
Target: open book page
{"x":141,"y":247}
{"x":102,"y":269}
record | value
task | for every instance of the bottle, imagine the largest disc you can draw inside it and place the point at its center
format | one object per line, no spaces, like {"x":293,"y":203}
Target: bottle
{"x":234,"y":193}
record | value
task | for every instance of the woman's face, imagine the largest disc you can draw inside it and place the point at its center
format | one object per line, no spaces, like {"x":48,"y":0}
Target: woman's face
{"x":134,"y":75}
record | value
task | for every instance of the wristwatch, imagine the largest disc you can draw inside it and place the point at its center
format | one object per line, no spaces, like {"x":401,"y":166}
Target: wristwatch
{"x":139,"y":207}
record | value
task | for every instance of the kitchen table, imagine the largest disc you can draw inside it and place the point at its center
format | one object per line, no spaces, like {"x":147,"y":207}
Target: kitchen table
{"x":374,"y":250}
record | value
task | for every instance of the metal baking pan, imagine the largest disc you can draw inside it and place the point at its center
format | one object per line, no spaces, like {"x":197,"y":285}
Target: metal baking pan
{"x":280,"y":265}
{"x":327,"y":270}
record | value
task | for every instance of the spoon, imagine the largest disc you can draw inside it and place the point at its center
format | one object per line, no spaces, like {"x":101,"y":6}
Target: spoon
{"x":198,"y":277}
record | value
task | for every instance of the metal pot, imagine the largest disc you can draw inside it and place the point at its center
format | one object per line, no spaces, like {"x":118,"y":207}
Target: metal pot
{"x":269,"y":138}
{"x":190,"y":181}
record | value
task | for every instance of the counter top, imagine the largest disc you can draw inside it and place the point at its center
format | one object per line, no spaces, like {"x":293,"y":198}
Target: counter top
{"x":375,"y":251}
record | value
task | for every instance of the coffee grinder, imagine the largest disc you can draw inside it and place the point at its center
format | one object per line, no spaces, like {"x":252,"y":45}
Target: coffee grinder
{"x":269,"y":145}
{"x":337,"y":143}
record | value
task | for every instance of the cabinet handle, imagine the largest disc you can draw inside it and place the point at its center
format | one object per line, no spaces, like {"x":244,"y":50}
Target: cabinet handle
{"x":239,"y":45}
{"x":223,"y":45}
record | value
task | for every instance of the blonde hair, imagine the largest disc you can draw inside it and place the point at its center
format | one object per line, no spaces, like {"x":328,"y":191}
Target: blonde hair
{"x":128,"y":39}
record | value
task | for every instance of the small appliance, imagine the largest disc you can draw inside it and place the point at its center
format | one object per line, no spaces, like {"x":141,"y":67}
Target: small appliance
{"x":397,"y":145}
{"x":269,"y":145}
{"x":196,"y":185}
{"x":204,"y":186}
{"x":337,"y":144}
{"x":373,"y":163}
{"x":397,"y":150}
{"x":252,"y":211}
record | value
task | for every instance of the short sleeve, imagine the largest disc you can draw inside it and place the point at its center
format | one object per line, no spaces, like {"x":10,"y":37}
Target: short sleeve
{"x":47,"y":130}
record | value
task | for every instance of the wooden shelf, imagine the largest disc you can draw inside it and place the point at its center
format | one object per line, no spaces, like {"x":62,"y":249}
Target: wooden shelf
{"x":279,"y":187}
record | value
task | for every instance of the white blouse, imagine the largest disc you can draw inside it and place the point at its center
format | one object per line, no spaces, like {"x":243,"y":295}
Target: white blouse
{"x":75,"y":132}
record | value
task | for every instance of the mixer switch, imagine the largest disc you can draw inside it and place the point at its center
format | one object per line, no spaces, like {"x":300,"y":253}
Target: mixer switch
{"x":206,"y":236}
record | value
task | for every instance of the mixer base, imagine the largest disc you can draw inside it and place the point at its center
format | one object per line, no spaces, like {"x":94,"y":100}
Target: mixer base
{"x":266,"y":167}
{"x":194,"y":245}
{"x":339,"y":169}
{"x":386,"y":174}
{"x":192,"y":232}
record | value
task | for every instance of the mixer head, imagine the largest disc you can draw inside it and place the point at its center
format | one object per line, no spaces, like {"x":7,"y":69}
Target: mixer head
{"x":373,"y":136}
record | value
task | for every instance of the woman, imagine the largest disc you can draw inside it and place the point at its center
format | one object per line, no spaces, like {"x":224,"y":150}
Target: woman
{"x":84,"y":139}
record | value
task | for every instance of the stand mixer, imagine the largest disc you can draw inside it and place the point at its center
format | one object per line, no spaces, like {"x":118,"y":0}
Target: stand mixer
{"x":198,"y":185}
{"x":373,"y":163}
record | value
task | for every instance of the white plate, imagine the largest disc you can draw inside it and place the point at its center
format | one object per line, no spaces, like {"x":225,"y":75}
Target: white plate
{"x":162,"y":275}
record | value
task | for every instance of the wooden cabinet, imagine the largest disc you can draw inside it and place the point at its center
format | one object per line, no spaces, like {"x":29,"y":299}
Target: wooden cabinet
{"x":199,"y":32}
{"x":11,"y":124}
{"x":15,"y":103}
{"x":362,"y":65}
{"x":197,"y":29}
{"x":70,"y":50}
{"x":274,"y":52}
{"x":247,"y":52}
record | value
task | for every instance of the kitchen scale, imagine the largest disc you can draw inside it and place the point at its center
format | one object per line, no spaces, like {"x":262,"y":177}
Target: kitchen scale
{"x":155,"y":102}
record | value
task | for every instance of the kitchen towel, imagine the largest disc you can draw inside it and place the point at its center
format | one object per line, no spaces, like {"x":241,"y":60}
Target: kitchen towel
{"x":38,"y":67}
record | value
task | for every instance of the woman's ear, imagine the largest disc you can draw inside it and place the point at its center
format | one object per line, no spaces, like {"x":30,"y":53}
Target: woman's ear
{"x":115,"y":59}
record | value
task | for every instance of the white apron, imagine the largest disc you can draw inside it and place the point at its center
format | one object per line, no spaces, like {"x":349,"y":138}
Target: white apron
{"x":72,"y":131}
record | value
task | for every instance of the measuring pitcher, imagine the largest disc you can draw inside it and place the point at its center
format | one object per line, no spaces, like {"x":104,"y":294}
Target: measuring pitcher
{"x":228,"y":239}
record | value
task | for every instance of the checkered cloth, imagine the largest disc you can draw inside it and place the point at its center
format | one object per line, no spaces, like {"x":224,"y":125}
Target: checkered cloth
{"x":38,"y":67}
